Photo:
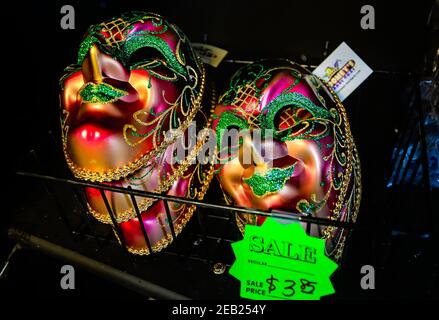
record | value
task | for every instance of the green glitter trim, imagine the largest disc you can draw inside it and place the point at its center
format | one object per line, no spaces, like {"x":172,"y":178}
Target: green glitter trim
{"x":94,"y":35}
{"x":134,"y":43}
{"x":227,"y":120}
{"x":86,"y":44}
{"x":247,"y":75}
{"x":296,"y":100}
{"x":274,"y":180}
{"x":101,"y":93}
{"x":304,"y":206}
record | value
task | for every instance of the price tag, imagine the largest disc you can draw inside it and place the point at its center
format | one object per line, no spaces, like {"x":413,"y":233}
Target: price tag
{"x":343,"y":70}
{"x":209,"y":54}
{"x":280,"y":261}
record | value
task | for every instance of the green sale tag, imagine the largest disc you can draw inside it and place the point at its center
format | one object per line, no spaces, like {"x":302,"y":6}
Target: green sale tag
{"x":280,"y":261}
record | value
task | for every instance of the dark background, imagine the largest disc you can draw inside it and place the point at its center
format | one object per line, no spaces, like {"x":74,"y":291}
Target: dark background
{"x":37,"y":50}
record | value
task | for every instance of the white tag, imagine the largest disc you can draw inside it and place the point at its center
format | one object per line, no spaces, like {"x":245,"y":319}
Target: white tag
{"x":343,"y":70}
{"x":209,"y":54}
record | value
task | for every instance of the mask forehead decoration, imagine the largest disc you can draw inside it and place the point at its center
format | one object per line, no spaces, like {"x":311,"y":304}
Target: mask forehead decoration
{"x":127,"y":107}
{"x":301,"y":156}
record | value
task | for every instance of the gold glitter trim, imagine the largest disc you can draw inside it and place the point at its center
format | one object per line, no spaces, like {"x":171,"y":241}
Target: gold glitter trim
{"x":354,"y":166}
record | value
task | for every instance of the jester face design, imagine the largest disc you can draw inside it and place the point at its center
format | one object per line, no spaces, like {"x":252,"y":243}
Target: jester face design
{"x":300,"y":153}
{"x":136,"y":78}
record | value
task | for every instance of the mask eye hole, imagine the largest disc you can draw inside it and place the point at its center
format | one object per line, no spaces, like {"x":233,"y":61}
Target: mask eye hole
{"x":144,"y":54}
{"x":148,"y":58}
{"x":233,"y":127}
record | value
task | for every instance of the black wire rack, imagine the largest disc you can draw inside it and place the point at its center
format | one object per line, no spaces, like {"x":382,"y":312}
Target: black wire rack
{"x":409,"y":170}
{"x":227,"y":211}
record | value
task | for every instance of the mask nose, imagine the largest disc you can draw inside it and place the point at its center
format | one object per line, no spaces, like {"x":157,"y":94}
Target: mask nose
{"x":250,"y":153}
{"x":91,"y":68}
{"x":97,"y":66}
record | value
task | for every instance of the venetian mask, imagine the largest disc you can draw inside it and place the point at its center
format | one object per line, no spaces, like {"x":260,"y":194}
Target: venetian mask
{"x":295,"y":152}
{"x":136,"y":81}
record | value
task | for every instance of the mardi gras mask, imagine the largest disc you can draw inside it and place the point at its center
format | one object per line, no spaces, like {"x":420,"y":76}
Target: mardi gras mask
{"x":136,"y":82}
{"x":136,"y":78}
{"x":294,"y":151}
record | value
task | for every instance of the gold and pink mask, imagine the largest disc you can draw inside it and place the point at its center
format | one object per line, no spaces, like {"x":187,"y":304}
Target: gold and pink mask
{"x":295,"y":151}
{"x":136,"y":81}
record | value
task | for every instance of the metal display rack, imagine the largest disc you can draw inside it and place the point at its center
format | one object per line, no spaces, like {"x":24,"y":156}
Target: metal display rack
{"x":201,"y":242}
{"x":410,"y":165}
